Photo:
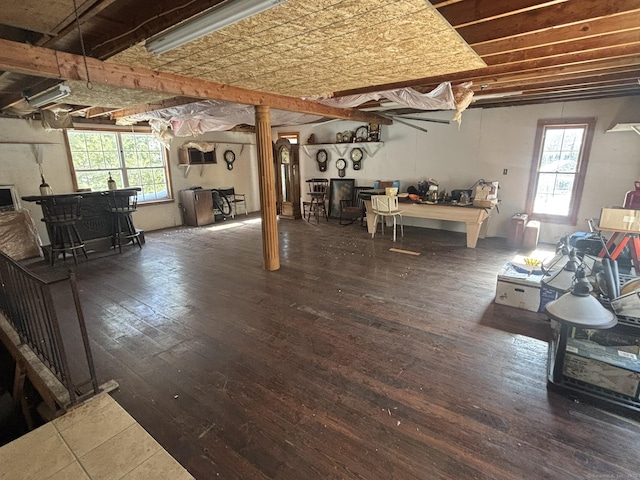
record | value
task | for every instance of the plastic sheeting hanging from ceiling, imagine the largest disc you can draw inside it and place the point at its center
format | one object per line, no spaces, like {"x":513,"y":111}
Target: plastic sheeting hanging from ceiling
{"x":216,"y":115}
{"x":443,"y":97}
{"x":210,"y":116}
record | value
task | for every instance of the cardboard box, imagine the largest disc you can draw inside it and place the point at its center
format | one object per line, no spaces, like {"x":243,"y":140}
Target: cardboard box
{"x":531,"y":235}
{"x":521,"y":288}
{"x":619,"y":219}
{"x":602,"y":374}
{"x":611,"y":355}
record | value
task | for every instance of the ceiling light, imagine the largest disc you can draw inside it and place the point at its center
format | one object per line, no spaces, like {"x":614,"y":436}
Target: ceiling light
{"x":48,"y":96}
{"x":488,"y":96}
{"x":227,"y":14}
{"x":579,"y":308}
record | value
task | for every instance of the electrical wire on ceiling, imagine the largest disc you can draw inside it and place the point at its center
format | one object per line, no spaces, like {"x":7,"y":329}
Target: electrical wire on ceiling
{"x":140,"y":25}
{"x":84,"y":53}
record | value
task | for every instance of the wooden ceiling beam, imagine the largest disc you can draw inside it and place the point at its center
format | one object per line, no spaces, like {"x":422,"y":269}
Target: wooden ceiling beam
{"x":42,"y":62}
{"x":563,"y":88}
{"x":561,"y":73}
{"x":470,"y":12}
{"x":554,"y":16}
{"x":93,"y":112}
{"x":537,"y":99}
{"x":567,"y":33}
{"x":604,"y":44}
{"x":551,"y":66}
{"x":630,"y":75}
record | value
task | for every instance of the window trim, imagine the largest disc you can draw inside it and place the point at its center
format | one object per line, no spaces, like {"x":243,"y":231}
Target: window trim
{"x":572,"y":217}
{"x":289,"y":136}
{"x":111,"y":129}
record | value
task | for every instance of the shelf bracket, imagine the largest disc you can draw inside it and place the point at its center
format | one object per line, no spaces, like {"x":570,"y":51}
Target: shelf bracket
{"x":371,"y":148}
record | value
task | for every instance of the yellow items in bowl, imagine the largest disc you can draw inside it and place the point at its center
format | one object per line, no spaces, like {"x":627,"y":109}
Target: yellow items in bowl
{"x":532,"y":262}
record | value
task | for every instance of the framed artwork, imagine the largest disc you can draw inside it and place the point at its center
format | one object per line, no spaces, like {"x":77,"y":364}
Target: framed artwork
{"x":339,"y":189}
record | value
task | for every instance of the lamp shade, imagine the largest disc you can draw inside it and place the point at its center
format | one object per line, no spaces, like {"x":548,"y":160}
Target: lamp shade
{"x":580,"y":311}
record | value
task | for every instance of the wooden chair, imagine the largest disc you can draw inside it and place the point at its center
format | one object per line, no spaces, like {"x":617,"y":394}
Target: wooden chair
{"x":61,"y":215}
{"x":386,"y":206}
{"x":121,"y":204}
{"x":353,"y":209}
{"x":318,"y":188}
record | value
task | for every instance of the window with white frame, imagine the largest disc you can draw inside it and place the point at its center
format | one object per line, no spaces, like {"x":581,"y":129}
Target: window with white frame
{"x":561,"y":154}
{"x":133,"y":159}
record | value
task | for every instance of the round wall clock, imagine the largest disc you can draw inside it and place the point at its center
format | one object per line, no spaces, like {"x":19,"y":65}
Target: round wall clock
{"x":229,"y":157}
{"x":341,"y":164}
{"x":356,"y":156}
{"x":361,"y":134}
{"x":321,"y":158}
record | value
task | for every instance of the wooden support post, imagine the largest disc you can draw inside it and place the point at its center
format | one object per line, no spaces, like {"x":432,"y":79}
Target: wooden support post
{"x":19,"y":401}
{"x":266,"y":175}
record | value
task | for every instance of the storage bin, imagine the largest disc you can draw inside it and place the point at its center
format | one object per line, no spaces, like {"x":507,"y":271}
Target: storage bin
{"x":531,"y":235}
{"x":516,"y":230}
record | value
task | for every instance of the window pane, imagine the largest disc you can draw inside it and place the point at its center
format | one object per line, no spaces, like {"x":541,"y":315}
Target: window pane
{"x":572,"y":139}
{"x":80,"y":160}
{"x":112,"y":160}
{"x":569,"y":162}
{"x":96,"y":181}
{"x":553,"y":195}
{"x":130,"y":159}
{"x":549,"y":161}
{"x":553,"y":140}
{"x":76,"y":141}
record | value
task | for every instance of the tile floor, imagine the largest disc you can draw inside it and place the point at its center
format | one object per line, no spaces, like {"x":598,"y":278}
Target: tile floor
{"x":97,"y":440}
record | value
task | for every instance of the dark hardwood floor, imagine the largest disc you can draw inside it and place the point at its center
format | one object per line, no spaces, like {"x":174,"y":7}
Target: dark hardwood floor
{"x":350,"y":362}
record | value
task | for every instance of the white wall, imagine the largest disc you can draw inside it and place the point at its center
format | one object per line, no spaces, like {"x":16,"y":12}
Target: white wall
{"x":18,"y":166}
{"x":488,"y":141}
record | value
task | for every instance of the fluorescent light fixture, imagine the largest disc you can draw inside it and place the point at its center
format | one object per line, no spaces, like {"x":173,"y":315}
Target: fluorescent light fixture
{"x":227,"y":14}
{"x":48,"y":96}
{"x":488,"y":96}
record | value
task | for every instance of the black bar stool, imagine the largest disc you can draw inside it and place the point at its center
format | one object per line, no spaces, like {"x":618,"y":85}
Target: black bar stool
{"x":121,"y":204}
{"x":61,"y":215}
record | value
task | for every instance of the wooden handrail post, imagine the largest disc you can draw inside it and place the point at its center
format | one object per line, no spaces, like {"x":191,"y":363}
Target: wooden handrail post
{"x":266,"y":175}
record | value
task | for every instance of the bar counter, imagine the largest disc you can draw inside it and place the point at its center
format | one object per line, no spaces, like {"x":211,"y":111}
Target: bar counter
{"x":95,"y":226}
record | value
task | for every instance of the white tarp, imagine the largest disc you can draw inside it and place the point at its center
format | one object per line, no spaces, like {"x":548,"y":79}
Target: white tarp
{"x":212,"y":115}
{"x":215,"y":115}
{"x":440,"y":98}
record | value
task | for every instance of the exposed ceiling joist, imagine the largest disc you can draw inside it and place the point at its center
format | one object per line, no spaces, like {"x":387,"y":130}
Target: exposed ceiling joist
{"x":554,"y":16}
{"x":587,"y":61}
{"x":31,"y":60}
{"x":567,"y":33}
